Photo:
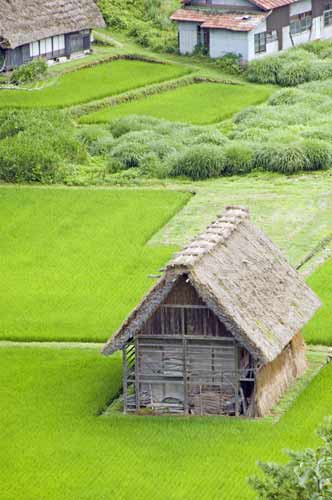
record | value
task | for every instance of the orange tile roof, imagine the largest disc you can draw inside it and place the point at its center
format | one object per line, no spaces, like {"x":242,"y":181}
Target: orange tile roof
{"x":226,"y":21}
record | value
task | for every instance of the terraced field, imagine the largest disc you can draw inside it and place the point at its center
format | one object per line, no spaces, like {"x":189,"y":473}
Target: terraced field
{"x":201,"y":103}
{"x":95,"y":82}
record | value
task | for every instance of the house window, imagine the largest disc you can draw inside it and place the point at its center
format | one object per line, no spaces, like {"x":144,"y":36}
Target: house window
{"x":260,"y":42}
{"x":328,"y":13}
{"x":42,"y":46}
{"x":34,"y":49}
{"x":301,"y":22}
{"x":58,"y":43}
{"x":271,"y":37}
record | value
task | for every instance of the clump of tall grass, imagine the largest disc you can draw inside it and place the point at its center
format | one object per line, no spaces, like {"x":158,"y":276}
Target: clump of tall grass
{"x":199,"y":162}
{"x":291,"y":68}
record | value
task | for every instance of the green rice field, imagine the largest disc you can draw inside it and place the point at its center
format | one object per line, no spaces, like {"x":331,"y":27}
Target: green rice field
{"x":55,"y":445}
{"x":200,"y":103}
{"x":75,"y":262}
{"x":95,"y":82}
{"x":319,"y":329}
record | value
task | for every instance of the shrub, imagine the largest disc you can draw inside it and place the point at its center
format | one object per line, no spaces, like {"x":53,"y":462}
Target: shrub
{"x":25,"y":160}
{"x":130,"y":154}
{"x":89,"y":134}
{"x":230,"y":63}
{"x":286,"y":96}
{"x":29,"y":72}
{"x":132,"y":123}
{"x":35,"y":145}
{"x":238,"y":159}
{"x":264,"y":70}
{"x":293,"y":73}
{"x":199,"y":162}
{"x":307,"y":476}
{"x":286,"y":159}
{"x":212,"y":136}
{"x":318,"y":153}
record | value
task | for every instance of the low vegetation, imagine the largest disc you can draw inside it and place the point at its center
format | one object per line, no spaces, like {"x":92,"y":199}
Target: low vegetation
{"x":30,"y":72}
{"x":200,"y":103}
{"x":75,"y":262}
{"x":146,"y":21}
{"x":37,"y":146}
{"x":311,"y":61}
{"x":92,"y":83}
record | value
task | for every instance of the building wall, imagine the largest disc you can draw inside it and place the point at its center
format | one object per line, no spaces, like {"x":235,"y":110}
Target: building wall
{"x":49,"y":48}
{"x":225,"y":41}
{"x":187,"y":361}
{"x":187,"y":37}
{"x":274,"y":378}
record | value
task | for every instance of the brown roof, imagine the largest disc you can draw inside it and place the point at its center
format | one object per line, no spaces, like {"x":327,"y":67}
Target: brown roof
{"x":25,"y":21}
{"x":228,"y":21}
{"x":271,"y":4}
{"x":243,"y":278}
{"x":262,"y":4}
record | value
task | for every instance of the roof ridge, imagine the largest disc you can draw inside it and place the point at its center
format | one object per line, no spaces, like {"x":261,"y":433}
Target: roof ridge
{"x":216,"y":233}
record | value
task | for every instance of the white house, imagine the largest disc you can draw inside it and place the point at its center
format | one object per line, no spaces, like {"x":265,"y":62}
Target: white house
{"x":251,"y":28}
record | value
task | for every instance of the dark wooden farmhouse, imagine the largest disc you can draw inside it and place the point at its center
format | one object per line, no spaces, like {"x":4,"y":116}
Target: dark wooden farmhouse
{"x":45,"y":28}
{"x":219,"y":333}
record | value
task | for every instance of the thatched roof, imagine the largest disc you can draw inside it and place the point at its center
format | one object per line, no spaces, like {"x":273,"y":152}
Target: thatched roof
{"x":245,"y":280}
{"x":25,"y":21}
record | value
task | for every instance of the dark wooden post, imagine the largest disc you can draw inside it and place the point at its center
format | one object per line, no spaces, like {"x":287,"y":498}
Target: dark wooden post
{"x":125,"y":378}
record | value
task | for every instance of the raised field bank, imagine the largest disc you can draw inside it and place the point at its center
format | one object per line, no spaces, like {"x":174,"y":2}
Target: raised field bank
{"x":166,"y":247}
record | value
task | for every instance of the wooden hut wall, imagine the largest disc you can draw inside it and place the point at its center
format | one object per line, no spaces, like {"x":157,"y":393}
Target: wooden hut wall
{"x":273,"y":379}
{"x":186,"y":360}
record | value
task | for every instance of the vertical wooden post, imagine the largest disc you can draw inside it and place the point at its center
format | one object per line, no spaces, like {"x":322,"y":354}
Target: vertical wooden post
{"x":137,"y":368}
{"x":125,"y":378}
{"x":184,"y":349}
{"x":237,"y":381}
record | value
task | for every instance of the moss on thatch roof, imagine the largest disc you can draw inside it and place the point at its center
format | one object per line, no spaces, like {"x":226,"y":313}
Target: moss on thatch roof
{"x":27,"y":21}
{"x":244,"y":279}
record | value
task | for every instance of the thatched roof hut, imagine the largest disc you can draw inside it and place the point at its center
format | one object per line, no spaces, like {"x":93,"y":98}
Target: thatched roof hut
{"x":27,"y":21}
{"x":24,"y":22}
{"x":234,"y":276}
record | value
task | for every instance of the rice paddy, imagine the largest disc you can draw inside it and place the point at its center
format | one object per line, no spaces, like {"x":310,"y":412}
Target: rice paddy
{"x":74,"y":262}
{"x":92,"y":83}
{"x":55,"y":444}
{"x":200,"y":103}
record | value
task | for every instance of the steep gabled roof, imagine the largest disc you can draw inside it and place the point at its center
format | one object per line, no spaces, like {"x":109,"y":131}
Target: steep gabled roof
{"x":25,"y":21}
{"x":233,"y":21}
{"x":245,"y":280}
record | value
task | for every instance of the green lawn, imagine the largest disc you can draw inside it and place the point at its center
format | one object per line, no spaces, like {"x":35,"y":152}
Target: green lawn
{"x":74,"y":262}
{"x":92,"y":83}
{"x":201,"y":103}
{"x":55,"y":446}
{"x":319,"y":329}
